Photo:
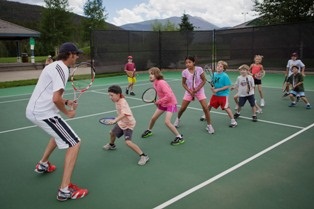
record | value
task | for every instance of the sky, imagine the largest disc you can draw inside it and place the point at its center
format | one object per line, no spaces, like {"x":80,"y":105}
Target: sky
{"x":222,"y":13}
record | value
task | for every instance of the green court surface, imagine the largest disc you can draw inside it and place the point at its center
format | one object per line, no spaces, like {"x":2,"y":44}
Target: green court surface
{"x":267,"y":164}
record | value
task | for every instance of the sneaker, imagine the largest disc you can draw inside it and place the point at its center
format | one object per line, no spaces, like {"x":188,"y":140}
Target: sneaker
{"x":177,"y":123}
{"x":143,"y":160}
{"x":126,"y":91}
{"x":308,"y":107}
{"x":42,"y":168}
{"x":254,"y":118}
{"x":233,"y":125}
{"x":202,"y":118}
{"x":109,"y":147}
{"x":262,"y":102}
{"x":236,"y":115}
{"x":292,"y":104}
{"x":259,"y":111}
{"x":177,"y":141}
{"x":147,"y":133}
{"x":132,"y":93}
{"x":210,"y":129}
{"x":285,"y":94}
{"x":74,"y":192}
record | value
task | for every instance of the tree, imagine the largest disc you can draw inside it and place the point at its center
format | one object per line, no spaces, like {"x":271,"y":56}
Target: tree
{"x":284,"y":11}
{"x":168,"y":26}
{"x":185,"y":25}
{"x":55,"y":24}
{"x":95,"y":13}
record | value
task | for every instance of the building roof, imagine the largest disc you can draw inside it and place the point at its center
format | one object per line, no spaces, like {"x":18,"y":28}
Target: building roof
{"x":14,"y":32}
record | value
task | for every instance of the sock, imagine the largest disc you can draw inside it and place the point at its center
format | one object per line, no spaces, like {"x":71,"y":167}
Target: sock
{"x":143,"y":154}
{"x":179,"y":136}
{"x":44,"y":163}
{"x":65,"y":189}
{"x":111,"y":144}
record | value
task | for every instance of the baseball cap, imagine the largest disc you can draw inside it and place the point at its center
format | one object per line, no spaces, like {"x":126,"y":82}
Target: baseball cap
{"x":69,"y":47}
{"x":294,"y":54}
{"x":130,"y":57}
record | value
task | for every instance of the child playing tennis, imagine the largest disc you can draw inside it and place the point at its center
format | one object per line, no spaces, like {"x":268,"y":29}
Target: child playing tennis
{"x":125,"y":123}
{"x":130,"y":69}
{"x":221,"y":91}
{"x":296,"y":81}
{"x":193,"y":81}
{"x":257,"y":71}
{"x":245,"y":86}
{"x":166,"y":102}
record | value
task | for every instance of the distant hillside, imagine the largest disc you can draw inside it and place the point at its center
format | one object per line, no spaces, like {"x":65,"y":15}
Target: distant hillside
{"x":28,"y":15}
{"x":199,"y":23}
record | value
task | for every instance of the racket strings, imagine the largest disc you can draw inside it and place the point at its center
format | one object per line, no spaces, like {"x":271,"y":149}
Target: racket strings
{"x":82,"y":77}
{"x":149,"y":95}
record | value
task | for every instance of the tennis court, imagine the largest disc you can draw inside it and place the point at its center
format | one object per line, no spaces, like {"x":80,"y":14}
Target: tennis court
{"x":267,"y":164}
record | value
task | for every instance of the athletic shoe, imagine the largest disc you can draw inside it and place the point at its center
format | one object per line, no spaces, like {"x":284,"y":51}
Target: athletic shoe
{"x":177,"y":141}
{"x":109,"y":147}
{"x":147,"y":133}
{"x":202,"y":118}
{"x":177,"y":123}
{"x":233,"y":125}
{"x":254,"y":118}
{"x":308,"y":107}
{"x":292,"y":104}
{"x":143,"y":160}
{"x":236,"y":115}
{"x":74,"y":192}
{"x":42,"y":168}
{"x":285,"y":94}
{"x":210,"y":129}
{"x":126,"y":91}
{"x":262,"y":102}
{"x":132,"y":93}
{"x":259,"y":111}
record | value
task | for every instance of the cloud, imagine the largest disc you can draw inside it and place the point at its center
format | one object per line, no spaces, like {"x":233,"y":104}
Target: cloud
{"x":221,"y":13}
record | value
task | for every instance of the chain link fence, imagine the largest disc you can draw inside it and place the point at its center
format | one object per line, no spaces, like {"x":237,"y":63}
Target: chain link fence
{"x":237,"y":46}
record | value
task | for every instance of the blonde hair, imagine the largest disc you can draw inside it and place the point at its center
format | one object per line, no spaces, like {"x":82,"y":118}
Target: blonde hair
{"x":156,"y":72}
{"x":244,"y":67}
{"x":260,"y":57}
{"x":224,"y":64}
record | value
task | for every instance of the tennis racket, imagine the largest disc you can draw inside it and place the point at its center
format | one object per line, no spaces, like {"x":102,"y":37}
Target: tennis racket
{"x":149,"y":95}
{"x":248,"y":86}
{"x":193,"y":84}
{"x":130,"y":73}
{"x":284,"y":85}
{"x":209,"y":75}
{"x":107,"y":120}
{"x":260,"y":75}
{"x":82,"y":78}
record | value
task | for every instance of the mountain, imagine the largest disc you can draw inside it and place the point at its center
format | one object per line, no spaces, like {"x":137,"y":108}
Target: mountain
{"x":199,"y":23}
{"x":28,"y":15}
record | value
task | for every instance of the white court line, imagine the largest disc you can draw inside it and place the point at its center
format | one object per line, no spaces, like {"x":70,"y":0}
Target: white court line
{"x":265,"y":121}
{"x":76,"y":118}
{"x":237,"y":166}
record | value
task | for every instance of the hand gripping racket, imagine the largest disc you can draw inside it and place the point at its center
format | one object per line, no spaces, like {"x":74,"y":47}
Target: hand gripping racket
{"x":149,"y":95}
{"x":209,"y":75}
{"x":260,"y":75}
{"x":82,"y":78}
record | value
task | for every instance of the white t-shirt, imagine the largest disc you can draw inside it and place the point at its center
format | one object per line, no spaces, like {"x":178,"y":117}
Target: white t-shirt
{"x":53,"y":78}
{"x":242,"y":85}
{"x":291,"y":63}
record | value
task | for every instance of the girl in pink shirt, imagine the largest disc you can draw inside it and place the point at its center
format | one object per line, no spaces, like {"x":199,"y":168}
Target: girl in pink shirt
{"x":166,"y":102}
{"x":193,"y":81}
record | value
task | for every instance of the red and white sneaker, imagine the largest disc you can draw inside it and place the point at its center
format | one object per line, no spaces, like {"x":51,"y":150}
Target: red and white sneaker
{"x":73,"y":192}
{"x":45,"y":167}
